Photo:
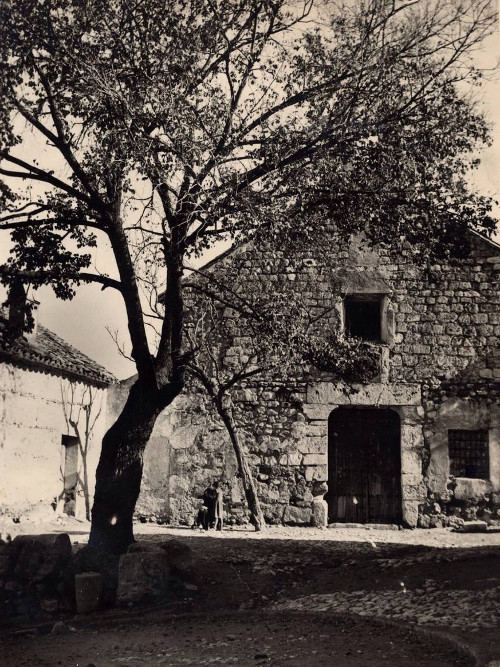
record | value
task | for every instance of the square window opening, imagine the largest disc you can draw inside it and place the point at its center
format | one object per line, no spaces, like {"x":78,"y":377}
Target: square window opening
{"x":469,"y":453}
{"x":363,"y":316}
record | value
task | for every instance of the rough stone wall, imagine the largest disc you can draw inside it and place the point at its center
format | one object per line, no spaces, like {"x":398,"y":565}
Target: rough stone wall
{"x":32,"y":423}
{"x":188,"y":450}
{"x":439,"y":325}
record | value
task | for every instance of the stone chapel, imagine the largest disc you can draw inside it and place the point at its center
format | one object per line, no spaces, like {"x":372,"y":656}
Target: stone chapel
{"x":417,"y":445}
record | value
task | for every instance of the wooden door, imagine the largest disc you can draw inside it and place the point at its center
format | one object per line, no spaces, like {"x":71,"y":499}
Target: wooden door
{"x":364,"y":466}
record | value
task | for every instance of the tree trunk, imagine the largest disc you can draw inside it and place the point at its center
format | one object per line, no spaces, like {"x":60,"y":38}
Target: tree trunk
{"x":119,"y":473}
{"x":256,"y":515}
{"x":85,"y":487}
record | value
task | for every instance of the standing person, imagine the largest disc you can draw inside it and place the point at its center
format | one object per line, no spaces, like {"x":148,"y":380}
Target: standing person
{"x":209,"y":500}
{"x":219,"y":507}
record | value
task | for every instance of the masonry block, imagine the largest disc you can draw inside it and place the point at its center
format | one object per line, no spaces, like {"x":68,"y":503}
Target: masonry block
{"x":313,"y":445}
{"x":376,"y":393}
{"x":316,"y":473}
{"x":467,"y":489}
{"x":314,"y":459}
{"x":297,"y":515}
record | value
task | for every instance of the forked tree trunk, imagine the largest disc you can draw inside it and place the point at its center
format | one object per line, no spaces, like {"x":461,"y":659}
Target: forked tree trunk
{"x":256,"y":515}
{"x":119,"y":473}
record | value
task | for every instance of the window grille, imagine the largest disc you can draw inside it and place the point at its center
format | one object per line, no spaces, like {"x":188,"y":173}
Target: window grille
{"x":469,"y":455}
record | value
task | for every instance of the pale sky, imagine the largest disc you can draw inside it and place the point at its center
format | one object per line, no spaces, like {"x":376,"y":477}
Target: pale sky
{"x":83,"y":321}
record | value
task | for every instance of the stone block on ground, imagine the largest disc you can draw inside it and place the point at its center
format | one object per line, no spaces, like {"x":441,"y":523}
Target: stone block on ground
{"x":88,"y":589}
{"x":299,"y":516}
{"x":91,"y":559}
{"x":474,"y":527}
{"x":273,"y":514}
{"x":39,"y":556}
{"x":142,"y":576}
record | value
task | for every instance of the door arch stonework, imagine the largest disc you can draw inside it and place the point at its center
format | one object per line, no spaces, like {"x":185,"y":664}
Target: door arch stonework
{"x":405,"y":399}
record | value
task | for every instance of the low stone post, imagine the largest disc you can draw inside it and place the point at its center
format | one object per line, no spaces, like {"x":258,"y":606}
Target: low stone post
{"x":319,"y":505}
{"x":88,"y":588}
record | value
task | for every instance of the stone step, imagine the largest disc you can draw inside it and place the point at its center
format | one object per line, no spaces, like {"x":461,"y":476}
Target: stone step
{"x":365,"y":526}
{"x":474,"y":527}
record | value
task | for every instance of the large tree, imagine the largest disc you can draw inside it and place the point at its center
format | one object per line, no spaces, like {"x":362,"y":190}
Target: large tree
{"x":174,"y":125}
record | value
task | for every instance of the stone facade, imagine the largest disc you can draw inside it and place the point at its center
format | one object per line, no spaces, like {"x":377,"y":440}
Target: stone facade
{"x":439,"y":370}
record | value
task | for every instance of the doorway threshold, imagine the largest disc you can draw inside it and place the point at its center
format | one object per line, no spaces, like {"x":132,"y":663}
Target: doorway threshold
{"x":367,"y":526}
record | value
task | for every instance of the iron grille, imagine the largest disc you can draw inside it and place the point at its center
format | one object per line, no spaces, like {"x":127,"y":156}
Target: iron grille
{"x":469,"y":456}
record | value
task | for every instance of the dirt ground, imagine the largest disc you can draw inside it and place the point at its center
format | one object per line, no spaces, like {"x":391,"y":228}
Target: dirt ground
{"x":297,"y":596}
{"x":244,"y":640}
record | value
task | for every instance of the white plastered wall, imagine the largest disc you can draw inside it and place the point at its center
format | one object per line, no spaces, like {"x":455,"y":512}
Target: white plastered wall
{"x":32,"y":423}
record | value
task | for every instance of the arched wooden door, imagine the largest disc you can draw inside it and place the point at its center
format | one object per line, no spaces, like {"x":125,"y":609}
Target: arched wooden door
{"x":364,"y":465}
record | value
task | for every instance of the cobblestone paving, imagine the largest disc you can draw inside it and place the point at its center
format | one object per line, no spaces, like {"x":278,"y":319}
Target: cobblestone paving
{"x":452,"y":608}
{"x":394,"y":585}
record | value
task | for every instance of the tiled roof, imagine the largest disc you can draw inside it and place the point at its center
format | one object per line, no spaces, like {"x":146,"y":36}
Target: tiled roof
{"x":50,"y":354}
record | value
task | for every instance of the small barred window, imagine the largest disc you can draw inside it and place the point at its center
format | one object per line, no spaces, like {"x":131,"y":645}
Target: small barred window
{"x":469,"y":455}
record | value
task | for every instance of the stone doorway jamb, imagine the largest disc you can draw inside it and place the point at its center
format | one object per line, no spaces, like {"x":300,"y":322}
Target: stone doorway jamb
{"x":405,"y":399}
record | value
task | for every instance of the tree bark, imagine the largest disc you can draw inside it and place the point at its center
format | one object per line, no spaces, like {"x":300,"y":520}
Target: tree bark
{"x":119,"y":473}
{"x":85,"y":487}
{"x":256,"y":515}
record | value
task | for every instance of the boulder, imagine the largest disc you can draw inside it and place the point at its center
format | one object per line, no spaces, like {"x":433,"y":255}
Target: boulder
{"x":142,"y":576}
{"x":179,"y":555}
{"x":144,"y":547}
{"x":37,"y":557}
{"x":455,"y":522}
{"x":467,"y":488}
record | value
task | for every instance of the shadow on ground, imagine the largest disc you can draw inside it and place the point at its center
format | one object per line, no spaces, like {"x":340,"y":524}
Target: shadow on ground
{"x":252,"y":601}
